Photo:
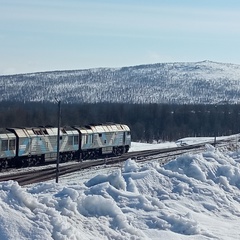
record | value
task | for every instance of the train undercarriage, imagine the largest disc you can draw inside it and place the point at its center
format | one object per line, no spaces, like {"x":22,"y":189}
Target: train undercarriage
{"x":103,"y":152}
{"x":35,"y":160}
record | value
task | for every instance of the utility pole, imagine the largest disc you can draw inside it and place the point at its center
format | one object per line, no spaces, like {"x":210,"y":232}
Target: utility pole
{"x":58,"y":139}
{"x":215,"y":128}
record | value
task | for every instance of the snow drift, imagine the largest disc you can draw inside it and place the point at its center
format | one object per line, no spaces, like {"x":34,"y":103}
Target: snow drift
{"x":196,"y":196}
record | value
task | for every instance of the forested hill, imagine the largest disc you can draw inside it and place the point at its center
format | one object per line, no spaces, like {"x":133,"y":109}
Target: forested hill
{"x":203,"y":82}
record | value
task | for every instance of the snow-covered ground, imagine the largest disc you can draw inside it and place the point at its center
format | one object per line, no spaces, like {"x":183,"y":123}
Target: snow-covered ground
{"x":195,"y":196}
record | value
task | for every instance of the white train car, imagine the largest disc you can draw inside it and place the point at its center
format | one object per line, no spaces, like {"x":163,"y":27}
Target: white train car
{"x":98,"y":140}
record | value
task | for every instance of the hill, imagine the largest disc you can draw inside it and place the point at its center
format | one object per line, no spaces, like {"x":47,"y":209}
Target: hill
{"x":203,"y":82}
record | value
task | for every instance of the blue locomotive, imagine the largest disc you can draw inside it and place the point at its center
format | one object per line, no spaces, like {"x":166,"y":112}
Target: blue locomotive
{"x":32,"y":146}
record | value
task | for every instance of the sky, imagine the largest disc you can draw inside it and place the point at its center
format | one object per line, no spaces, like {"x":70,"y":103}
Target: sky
{"x":48,"y":35}
{"x":194,"y":196}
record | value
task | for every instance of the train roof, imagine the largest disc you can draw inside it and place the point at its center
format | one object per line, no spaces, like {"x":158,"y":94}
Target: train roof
{"x":49,"y":130}
{"x":33,"y":131}
{"x":100,"y":128}
{"x":6,"y":134}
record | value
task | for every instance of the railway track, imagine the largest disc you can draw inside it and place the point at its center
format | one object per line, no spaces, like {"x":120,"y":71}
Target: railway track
{"x":29,"y":176}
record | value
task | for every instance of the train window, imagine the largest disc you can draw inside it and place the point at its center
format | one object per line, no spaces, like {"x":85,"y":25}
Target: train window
{"x":4,"y":145}
{"x":100,"y":135}
{"x":75,"y":140}
{"x":89,"y":138}
{"x":70,"y":141}
{"x":12,"y":144}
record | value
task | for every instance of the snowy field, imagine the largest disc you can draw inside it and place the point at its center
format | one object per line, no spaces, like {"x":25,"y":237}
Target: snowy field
{"x":193,"y":197}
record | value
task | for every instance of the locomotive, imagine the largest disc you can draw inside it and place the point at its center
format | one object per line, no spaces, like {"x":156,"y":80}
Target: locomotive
{"x":36,"y":145}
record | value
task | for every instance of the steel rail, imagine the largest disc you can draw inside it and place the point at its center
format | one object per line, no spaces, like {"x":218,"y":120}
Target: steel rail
{"x":39,"y":175}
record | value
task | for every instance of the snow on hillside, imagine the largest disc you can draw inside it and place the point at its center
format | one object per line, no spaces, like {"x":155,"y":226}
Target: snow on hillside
{"x":195,"y":196}
{"x":197,"y":82}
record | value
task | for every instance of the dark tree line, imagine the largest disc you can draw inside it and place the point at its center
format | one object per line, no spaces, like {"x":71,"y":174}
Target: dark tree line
{"x":148,"y":122}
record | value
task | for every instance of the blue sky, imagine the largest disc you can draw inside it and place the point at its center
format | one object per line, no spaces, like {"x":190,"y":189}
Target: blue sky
{"x":45,"y":35}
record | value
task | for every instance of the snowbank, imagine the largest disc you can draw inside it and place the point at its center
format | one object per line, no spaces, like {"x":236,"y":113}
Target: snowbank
{"x":191,"y":197}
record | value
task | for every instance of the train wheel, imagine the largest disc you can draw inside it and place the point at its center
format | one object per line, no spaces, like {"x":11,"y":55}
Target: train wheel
{"x":26,"y":163}
{"x":42,"y":159}
{"x":3,"y":164}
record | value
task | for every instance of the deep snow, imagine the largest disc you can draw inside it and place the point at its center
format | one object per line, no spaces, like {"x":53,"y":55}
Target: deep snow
{"x":195,"y":196}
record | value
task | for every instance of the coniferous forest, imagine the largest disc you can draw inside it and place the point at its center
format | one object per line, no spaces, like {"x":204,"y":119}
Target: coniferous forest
{"x":148,"y":122}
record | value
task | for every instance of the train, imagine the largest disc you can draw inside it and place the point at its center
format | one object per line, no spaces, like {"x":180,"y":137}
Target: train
{"x":28,"y":146}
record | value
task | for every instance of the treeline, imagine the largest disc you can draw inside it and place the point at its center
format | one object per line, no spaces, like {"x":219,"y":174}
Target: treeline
{"x":148,"y":122}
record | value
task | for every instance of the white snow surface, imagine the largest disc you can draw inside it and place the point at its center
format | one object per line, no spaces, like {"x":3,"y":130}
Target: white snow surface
{"x":194,"y":196}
